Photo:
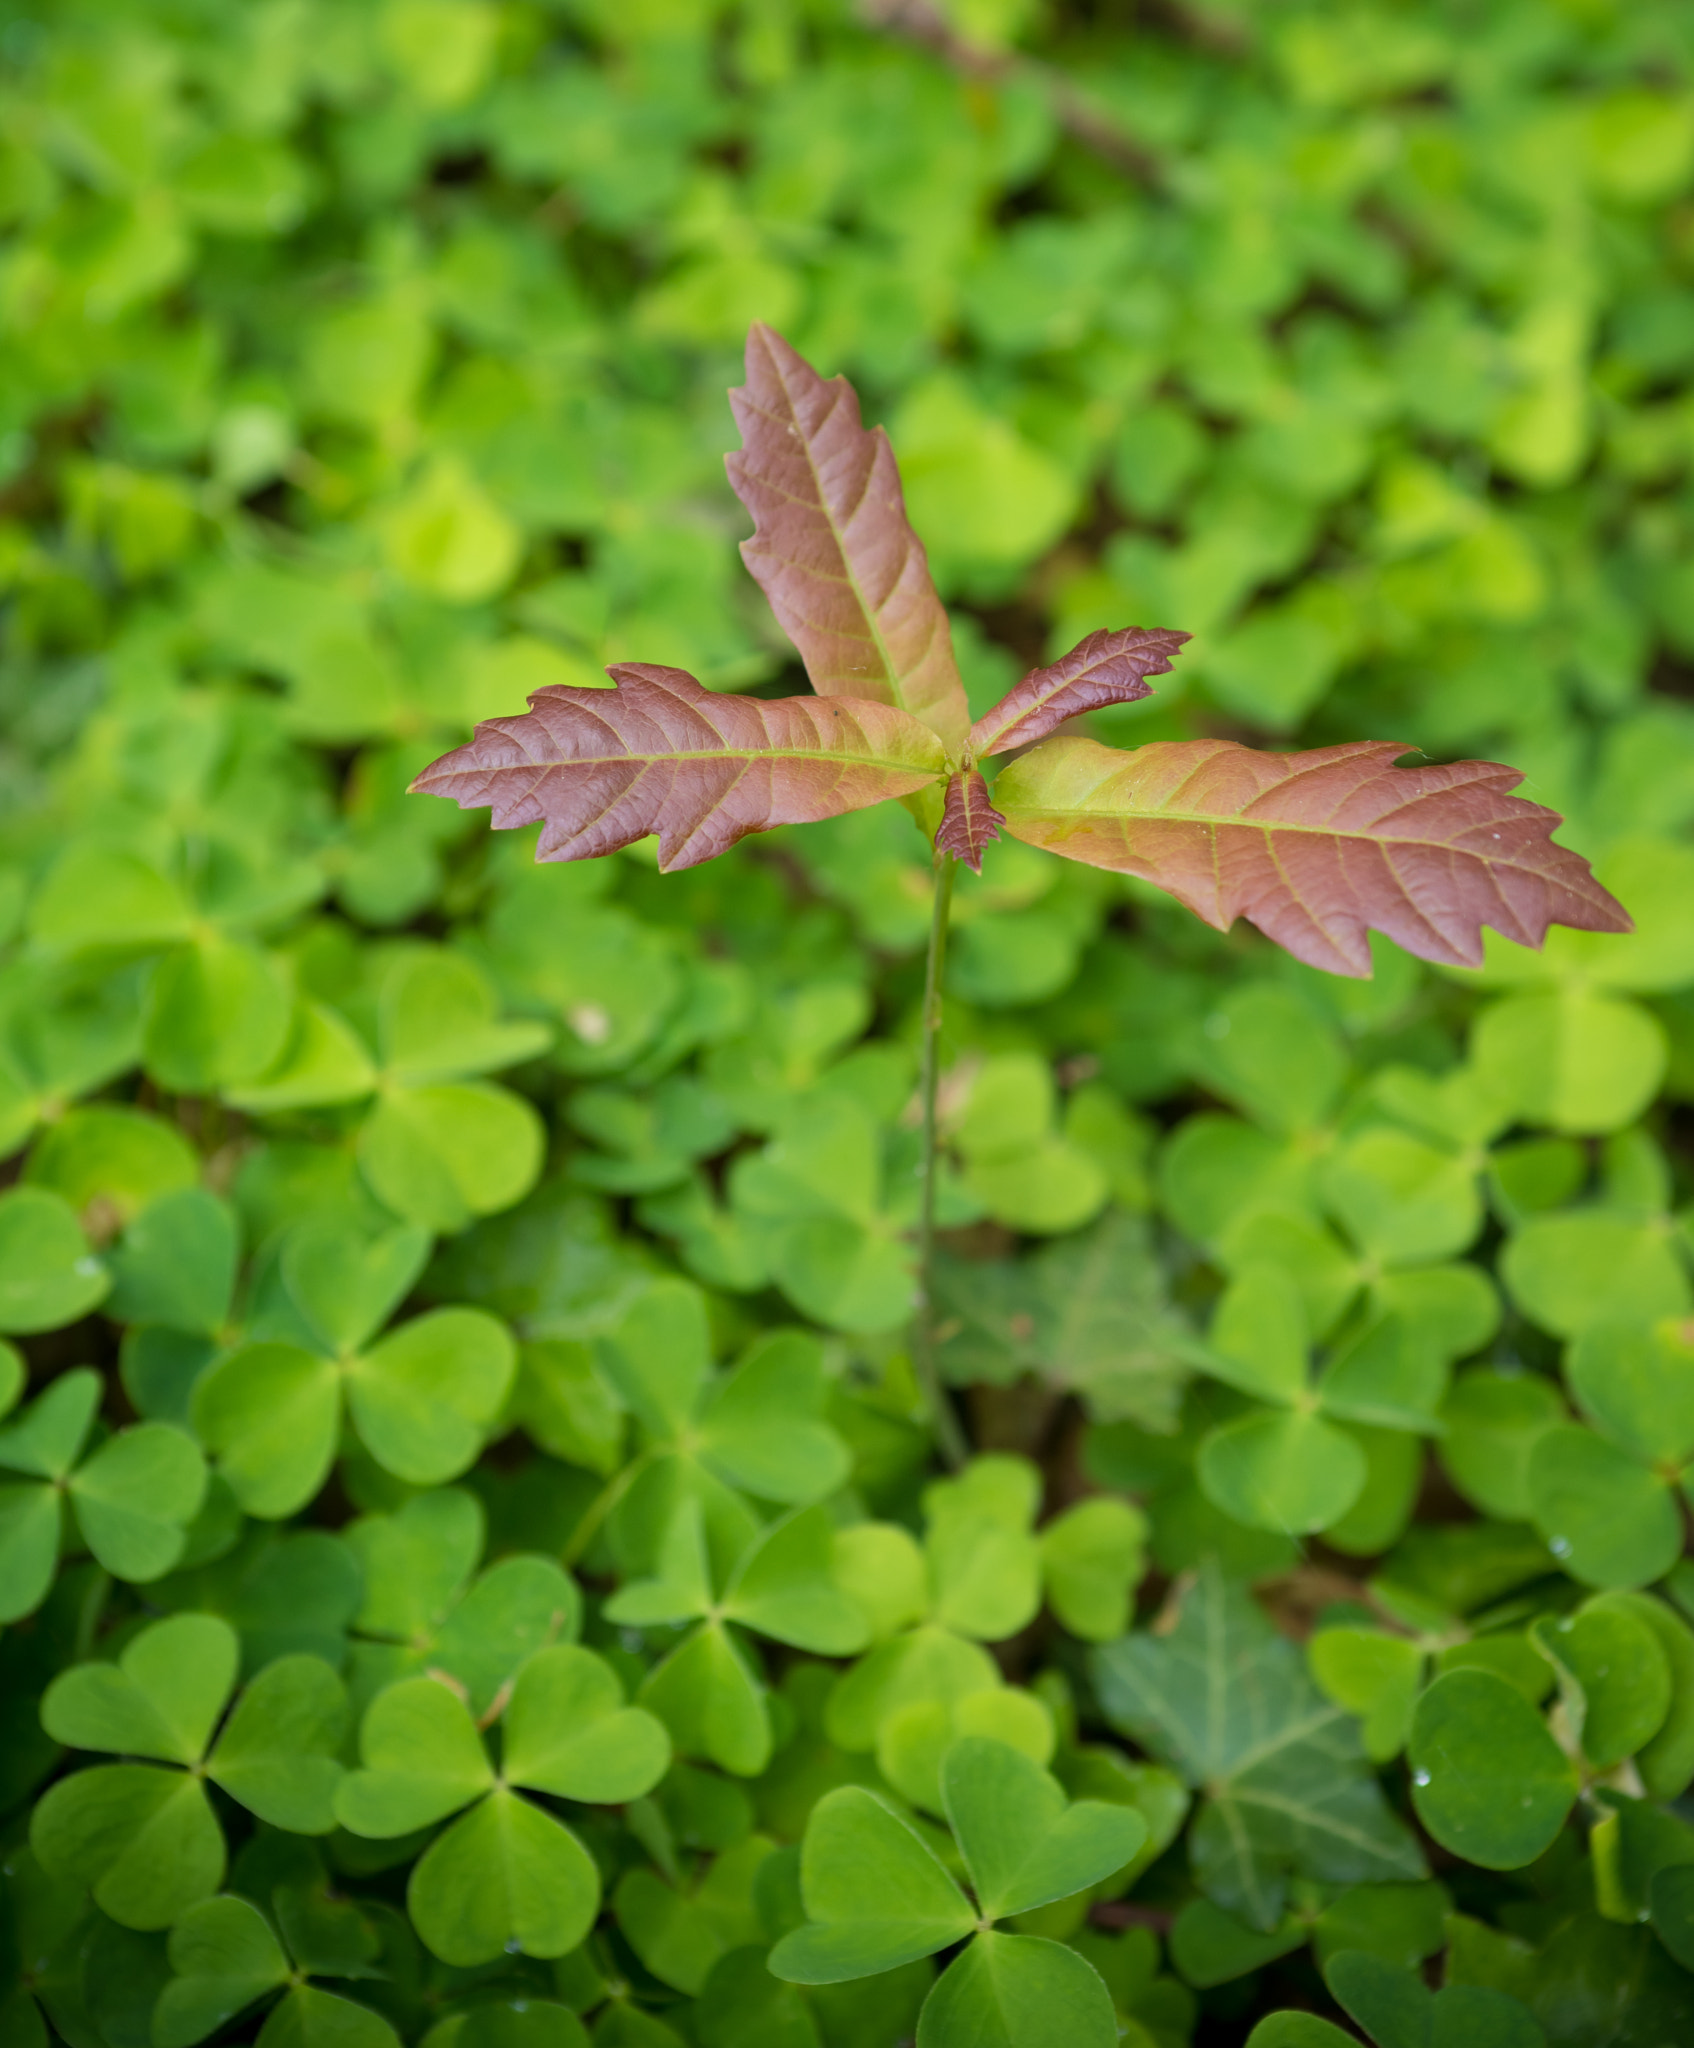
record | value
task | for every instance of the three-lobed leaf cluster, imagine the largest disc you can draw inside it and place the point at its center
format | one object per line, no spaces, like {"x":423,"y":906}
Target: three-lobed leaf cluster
{"x":1317,"y":850}
{"x":876,"y":1896}
{"x":270,"y":565}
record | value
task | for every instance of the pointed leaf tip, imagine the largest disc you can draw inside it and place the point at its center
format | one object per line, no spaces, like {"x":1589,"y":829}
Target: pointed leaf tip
{"x":1106,"y":668}
{"x":968,"y":819}
{"x":832,"y":548}
{"x":1318,"y":849}
{"x":600,"y":769}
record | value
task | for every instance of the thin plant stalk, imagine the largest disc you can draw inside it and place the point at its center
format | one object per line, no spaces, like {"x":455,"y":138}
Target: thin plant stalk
{"x":949,"y":1437}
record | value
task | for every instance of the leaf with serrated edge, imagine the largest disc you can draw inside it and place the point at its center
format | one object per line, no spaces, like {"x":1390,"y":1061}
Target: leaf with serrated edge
{"x":832,"y":548}
{"x":1316,"y":849}
{"x":1106,"y":668}
{"x":601,"y":769}
{"x":968,"y":819}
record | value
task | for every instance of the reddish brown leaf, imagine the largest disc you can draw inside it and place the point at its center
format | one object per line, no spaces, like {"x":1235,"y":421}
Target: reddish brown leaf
{"x":660,"y":753}
{"x":968,"y":820}
{"x":1315,"y":849}
{"x":832,"y":547}
{"x":1106,"y":668}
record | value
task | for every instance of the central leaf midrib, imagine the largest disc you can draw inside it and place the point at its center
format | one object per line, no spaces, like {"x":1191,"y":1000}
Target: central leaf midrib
{"x":873,"y":624}
{"x":1123,"y":815}
{"x":837,"y":755}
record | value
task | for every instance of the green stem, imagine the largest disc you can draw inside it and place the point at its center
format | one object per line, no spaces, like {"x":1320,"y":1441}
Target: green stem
{"x":949,"y":1437}
{"x":601,"y":1506}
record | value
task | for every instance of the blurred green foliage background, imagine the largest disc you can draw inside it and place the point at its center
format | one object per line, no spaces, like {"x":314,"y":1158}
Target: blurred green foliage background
{"x":363,"y":370}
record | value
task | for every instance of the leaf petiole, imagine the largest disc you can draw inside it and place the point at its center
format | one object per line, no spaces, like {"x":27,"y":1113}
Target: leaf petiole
{"x":949,"y":1437}
{"x":601,"y":1506}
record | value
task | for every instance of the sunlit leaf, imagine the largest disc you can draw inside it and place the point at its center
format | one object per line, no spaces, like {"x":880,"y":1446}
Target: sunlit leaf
{"x":969,"y":820}
{"x":602,"y":768}
{"x":832,"y":548}
{"x":1106,"y":668}
{"x":1318,"y":850}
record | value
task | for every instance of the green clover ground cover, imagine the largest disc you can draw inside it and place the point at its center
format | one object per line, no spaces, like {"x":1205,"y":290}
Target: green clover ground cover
{"x":472,"y":1567}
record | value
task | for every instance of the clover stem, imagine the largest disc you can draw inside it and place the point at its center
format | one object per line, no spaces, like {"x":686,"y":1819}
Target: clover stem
{"x":601,"y":1506}
{"x":949,"y":1437}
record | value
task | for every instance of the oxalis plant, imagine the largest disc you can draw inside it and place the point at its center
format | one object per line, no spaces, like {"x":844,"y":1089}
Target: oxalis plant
{"x":1316,"y":849}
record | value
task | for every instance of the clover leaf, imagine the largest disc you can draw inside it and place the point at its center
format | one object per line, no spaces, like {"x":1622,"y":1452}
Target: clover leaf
{"x":781,"y":1586}
{"x":1373,"y":1674}
{"x":1398,"y":2010}
{"x":1092,"y":1559}
{"x":1017,"y":1165}
{"x":438,"y":1147}
{"x":143,"y":1835}
{"x":914,"y":1696}
{"x":1008,"y":1989}
{"x":982,"y":1559}
{"x":1023,"y":1845}
{"x":1295,"y":1466}
{"x":759,"y":1428}
{"x":1401,"y":1199}
{"x":1607,"y":1514}
{"x":61,"y":1038}
{"x":817,"y":1201}
{"x":226,"y":1957}
{"x":422,"y":1397}
{"x":423,"y":1610}
{"x":506,"y":1875}
{"x":48,"y":1275}
{"x":651,"y":1142}
{"x":218,"y":1006}
{"x":980,"y":1573}
{"x":1665,"y":1762}
{"x":1378,"y":1672}
{"x":1488,"y":1780}
{"x":283,"y":1591}
{"x":132,"y":1497}
{"x":109,"y":1162}
{"x":1605,"y":1498}
{"x":1399,"y":1180}
{"x":877,"y":1896}
{"x":1491,"y":1422}
{"x":682,"y":1930}
{"x":176,"y":1264}
{"x":526,"y":2022}
{"x":1578,"y":1267}
{"x":982,"y":1570}
{"x":1297,"y":2030}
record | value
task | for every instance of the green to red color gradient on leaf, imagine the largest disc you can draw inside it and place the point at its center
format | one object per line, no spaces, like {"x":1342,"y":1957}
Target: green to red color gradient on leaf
{"x":861,"y":1424}
{"x":1106,"y":668}
{"x":602,"y":768}
{"x":832,"y":548}
{"x":969,"y":821}
{"x":1317,"y":850}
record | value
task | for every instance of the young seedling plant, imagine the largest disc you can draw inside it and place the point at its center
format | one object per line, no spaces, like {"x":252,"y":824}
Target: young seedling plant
{"x":1316,"y":849}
